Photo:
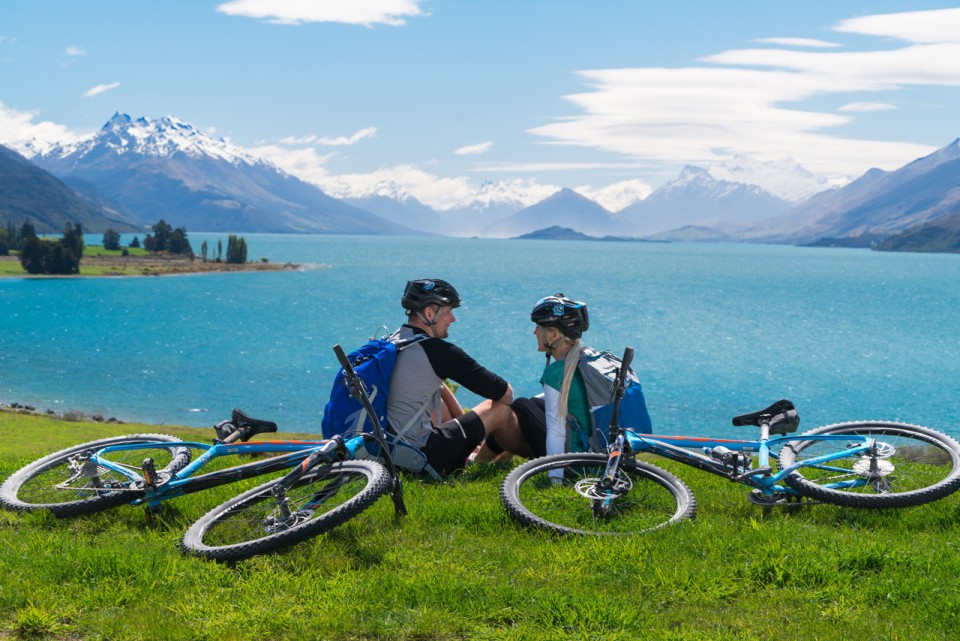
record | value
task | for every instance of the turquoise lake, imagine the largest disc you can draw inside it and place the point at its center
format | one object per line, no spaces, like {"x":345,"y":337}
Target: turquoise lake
{"x":718,"y":329}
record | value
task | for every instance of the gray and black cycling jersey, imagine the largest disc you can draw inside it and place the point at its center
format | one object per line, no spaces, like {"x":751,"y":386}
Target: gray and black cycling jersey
{"x":420,"y":370}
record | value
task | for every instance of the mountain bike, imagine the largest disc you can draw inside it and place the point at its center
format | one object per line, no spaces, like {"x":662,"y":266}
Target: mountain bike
{"x":863,"y":464}
{"x":326,"y":484}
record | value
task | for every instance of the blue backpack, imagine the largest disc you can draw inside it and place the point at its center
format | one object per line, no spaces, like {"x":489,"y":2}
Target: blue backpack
{"x":599,"y":372}
{"x":343,"y":414}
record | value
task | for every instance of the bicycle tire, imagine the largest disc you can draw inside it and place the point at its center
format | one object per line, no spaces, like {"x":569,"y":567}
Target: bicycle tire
{"x":54,"y":483}
{"x":534,"y":498}
{"x":247,"y":524}
{"x":914,"y":465}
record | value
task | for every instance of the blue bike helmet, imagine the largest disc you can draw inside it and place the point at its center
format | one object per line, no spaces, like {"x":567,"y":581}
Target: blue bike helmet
{"x":567,"y":315}
{"x":429,"y":291}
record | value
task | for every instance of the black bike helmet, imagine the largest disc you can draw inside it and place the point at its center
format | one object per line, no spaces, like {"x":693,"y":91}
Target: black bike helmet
{"x":429,"y":291}
{"x":567,"y":315}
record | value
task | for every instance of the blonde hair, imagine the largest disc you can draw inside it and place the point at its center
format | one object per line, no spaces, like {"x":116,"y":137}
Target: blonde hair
{"x":570,"y":361}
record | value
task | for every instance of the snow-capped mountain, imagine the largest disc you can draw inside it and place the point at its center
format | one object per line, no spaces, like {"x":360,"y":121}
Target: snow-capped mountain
{"x":696,"y":198}
{"x":783,"y":178}
{"x":166,"y":169}
{"x":879,"y":203}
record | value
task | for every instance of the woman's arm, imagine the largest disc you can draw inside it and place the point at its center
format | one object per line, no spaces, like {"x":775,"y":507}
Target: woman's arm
{"x":556,"y":431}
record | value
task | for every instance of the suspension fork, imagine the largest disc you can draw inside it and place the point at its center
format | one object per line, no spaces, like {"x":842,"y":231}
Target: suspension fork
{"x":333,"y":450}
{"x":615,"y":453}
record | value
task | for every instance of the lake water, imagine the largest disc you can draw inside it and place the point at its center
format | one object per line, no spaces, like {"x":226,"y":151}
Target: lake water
{"x":718,"y":329}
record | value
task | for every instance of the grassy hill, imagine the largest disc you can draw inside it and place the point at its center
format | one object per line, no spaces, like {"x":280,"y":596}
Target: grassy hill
{"x":457,"y":568}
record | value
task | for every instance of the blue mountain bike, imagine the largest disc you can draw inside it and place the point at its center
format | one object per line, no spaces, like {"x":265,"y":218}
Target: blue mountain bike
{"x":324,"y":487}
{"x":866,"y":464}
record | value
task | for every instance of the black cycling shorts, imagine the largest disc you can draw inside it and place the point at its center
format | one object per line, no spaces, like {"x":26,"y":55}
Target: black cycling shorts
{"x":450,"y":444}
{"x":532,"y":416}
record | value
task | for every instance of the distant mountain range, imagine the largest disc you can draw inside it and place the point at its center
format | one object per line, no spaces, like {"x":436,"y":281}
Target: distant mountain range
{"x":134,"y":172}
{"x":166,"y":169}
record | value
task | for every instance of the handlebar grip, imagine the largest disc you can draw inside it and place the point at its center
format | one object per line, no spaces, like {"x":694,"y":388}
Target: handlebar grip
{"x":627,"y":359}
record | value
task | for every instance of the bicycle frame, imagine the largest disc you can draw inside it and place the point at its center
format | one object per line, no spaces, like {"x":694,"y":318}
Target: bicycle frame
{"x":292,"y":454}
{"x":761,"y":476}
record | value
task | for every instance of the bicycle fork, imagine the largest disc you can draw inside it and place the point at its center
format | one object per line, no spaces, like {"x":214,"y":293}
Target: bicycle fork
{"x":336,"y":450}
{"x":610,"y":486}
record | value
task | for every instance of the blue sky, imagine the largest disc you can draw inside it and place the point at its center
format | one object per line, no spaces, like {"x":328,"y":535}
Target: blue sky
{"x":441,"y":95}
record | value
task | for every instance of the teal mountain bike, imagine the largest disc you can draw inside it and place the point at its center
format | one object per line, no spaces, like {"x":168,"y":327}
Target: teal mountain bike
{"x":865,"y":464}
{"x":325,"y":486}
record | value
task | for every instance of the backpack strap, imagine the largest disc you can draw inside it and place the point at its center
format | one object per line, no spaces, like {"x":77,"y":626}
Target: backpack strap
{"x":402,"y":344}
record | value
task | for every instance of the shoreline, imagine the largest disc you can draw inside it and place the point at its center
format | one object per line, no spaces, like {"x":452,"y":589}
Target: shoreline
{"x":133,"y":266}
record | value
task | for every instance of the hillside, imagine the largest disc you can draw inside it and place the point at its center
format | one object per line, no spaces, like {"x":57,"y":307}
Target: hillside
{"x":27,"y":192}
{"x":941,"y":235}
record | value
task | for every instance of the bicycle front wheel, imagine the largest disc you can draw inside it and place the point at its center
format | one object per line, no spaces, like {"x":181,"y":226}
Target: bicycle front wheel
{"x":562,"y":493}
{"x":69,"y":483}
{"x":910,"y":465}
{"x":257,"y":522}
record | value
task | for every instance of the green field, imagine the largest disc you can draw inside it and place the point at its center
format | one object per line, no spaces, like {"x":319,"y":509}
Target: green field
{"x":457,"y":568}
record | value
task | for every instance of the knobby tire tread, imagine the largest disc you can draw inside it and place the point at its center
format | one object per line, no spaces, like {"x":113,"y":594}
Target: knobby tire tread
{"x":938,"y":490}
{"x":685,"y":503}
{"x":9,"y":491}
{"x":378,"y":483}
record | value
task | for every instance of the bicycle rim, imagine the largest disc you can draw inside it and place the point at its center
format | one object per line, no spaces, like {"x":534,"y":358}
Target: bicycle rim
{"x":67,"y":483}
{"x":911,"y":465}
{"x":254,"y":522}
{"x":561,"y":493}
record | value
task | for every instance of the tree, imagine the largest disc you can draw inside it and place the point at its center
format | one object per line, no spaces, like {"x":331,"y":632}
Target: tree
{"x":53,"y":257}
{"x":179,"y":243}
{"x":203,"y":250}
{"x":111,"y":239}
{"x":135,"y":243}
{"x":31,"y":255}
{"x":236,"y":249}
{"x":161,"y":236}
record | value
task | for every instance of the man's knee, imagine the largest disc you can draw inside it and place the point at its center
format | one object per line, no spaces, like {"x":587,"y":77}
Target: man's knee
{"x":496,"y":417}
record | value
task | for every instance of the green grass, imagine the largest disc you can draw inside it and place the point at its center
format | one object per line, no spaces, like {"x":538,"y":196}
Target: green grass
{"x":457,"y":568}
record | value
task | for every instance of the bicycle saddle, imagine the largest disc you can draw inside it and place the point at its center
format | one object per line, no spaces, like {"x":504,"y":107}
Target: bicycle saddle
{"x":782,"y":418}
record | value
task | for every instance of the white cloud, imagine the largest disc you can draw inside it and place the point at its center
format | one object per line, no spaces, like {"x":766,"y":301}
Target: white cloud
{"x":99,"y":89}
{"x":19,"y":131}
{"x":296,"y":12}
{"x":75,"y":51}
{"x":474,"y":150}
{"x":799,"y":42}
{"x":305,"y":163}
{"x":865,"y":107}
{"x":927,"y":27}
{"x":751,"y":101}
{"x":339,"y":141}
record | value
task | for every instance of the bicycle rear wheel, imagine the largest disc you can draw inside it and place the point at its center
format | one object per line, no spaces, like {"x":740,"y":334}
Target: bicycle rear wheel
{"x":68,"y":483}
{"x":561,"y":493}
{"x":254,"y":522}
{"x":912,"y":465}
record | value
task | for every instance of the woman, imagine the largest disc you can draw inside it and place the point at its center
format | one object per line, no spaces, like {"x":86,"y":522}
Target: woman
{"x":560,"y":322}
{"x":558,"y":420}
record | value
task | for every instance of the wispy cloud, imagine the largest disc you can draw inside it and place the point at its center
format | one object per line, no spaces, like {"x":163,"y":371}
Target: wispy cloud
{"x":474,"y":150}
{"x":864,"y":107}
{"x":99,"y":89}
{"x":339,"y":141}
{"x":295,"y":12}
{"x":74,"y":51}
{"x":752,"y":101}
{"x":798,"y":42}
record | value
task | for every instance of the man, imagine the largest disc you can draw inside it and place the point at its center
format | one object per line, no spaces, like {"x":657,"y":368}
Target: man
{"x":421,"y":408}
